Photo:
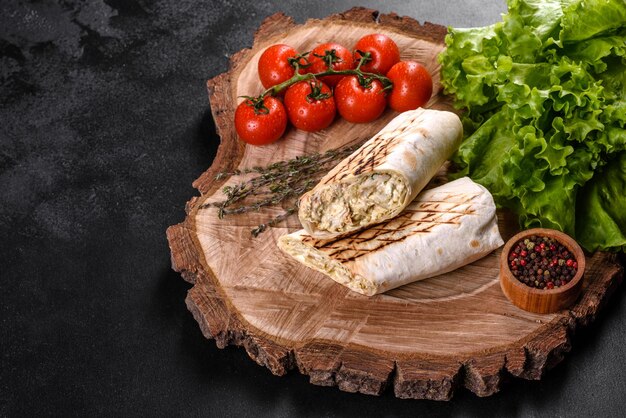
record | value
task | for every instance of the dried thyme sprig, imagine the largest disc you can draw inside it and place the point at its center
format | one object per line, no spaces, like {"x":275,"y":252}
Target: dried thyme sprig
{"x":280,"y":182}
{"x":261,"y":228}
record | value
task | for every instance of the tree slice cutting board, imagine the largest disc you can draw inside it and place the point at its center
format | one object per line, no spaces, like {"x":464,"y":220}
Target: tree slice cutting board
{"x":425,"y":339}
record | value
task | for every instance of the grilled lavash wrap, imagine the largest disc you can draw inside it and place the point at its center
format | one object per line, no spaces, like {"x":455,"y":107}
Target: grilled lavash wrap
{"x":382,"y":177}
{"x":441,"y":230}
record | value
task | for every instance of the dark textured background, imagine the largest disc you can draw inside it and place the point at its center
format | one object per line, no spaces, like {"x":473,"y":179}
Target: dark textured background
{"x":104,"y":124}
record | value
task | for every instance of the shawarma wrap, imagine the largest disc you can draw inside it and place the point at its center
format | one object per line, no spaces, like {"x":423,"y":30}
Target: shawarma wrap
{"x":441,"y":230}
{"x":383,"y":176}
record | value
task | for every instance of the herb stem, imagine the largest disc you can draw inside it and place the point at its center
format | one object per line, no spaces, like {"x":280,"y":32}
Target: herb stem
{"x":279,"y":183}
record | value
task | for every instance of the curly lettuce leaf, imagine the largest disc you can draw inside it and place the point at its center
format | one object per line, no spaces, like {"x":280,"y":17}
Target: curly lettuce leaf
{"x":545,"y":98}
{"x":601,"y":209}
{"x":586,"y":19}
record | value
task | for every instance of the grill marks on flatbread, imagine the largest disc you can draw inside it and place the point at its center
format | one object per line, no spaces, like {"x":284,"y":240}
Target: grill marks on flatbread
{"x":441,"y":230}
{"x":368,"y":157}
{"x":373,"y":153}
{"x":383,"y":176}
{"x":421,"y":217}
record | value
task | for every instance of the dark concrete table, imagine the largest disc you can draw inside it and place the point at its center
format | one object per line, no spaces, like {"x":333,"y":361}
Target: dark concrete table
{"x":104,"y":124}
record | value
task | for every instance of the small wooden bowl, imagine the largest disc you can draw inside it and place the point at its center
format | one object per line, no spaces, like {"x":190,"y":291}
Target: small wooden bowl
{"x":541,"y":300}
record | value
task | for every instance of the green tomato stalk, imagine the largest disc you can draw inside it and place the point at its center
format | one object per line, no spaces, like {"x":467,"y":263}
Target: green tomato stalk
{"x":365,"y":78}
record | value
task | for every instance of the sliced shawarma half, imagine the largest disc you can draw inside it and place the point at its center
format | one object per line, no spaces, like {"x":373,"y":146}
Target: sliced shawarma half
{"x":441,"y":230}
{"x":383,"y":176}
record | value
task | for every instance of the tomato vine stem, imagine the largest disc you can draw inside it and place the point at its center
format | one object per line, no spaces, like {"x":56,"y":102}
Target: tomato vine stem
{"x":365,"y":78}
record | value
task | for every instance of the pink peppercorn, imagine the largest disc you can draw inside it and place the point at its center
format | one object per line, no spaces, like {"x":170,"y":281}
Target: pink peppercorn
{"x":542,"y":263}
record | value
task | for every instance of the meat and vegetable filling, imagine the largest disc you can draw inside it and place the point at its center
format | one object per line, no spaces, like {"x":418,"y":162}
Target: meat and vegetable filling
{"x":351,"y":204}
{"x":311,"y":257}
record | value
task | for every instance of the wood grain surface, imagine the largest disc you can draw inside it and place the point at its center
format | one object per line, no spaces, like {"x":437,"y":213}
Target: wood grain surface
{"x":423,"y":340}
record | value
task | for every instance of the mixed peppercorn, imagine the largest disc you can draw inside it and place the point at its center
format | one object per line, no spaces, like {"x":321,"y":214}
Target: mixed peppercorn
{"x":542,"y":262}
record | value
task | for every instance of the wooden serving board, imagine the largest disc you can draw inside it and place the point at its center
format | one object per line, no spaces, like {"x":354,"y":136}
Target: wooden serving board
{"x":425,"y":339}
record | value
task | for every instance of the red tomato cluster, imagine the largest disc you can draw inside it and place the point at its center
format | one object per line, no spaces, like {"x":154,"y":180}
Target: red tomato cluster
{"x":311,"y":104}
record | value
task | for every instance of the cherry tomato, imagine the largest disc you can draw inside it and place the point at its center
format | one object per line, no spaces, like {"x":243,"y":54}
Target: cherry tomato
{"x":412,"y":86}
{"x":341,"y":60}
{"x":310,"y":105}
{"x":358,"y":104}
{"x":384,"y":53}
{"x":274,"y":66}
{"x":262,"y":123}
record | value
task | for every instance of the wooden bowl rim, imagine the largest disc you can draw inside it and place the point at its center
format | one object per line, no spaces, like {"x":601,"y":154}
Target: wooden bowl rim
{"x":563,"y":238}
